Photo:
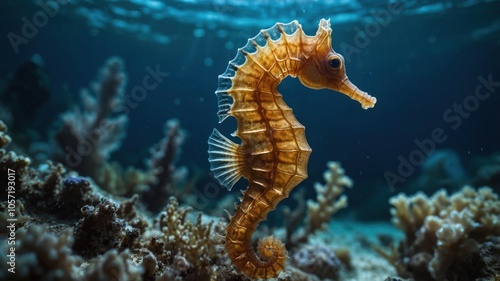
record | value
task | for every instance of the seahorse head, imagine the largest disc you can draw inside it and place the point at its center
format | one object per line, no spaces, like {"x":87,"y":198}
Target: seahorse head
{"x":325,"y":68}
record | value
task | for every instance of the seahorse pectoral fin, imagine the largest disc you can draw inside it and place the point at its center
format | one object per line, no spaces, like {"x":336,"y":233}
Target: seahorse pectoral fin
{"x":349,"y":89}
{"x":226,"y":162}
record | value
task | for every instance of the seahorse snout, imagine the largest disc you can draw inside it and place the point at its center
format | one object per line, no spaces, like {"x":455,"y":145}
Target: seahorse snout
{"x":349,"y":89}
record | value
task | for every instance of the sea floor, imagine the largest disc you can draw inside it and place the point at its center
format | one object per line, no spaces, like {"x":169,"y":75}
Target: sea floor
{"x":358,"y":237}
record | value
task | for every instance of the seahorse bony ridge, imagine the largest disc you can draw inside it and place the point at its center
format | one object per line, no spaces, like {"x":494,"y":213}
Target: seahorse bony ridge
{"x":274,"y":153}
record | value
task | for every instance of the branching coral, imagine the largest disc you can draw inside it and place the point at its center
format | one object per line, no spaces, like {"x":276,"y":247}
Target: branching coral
{"x":164,"y":177}
{"x":443,"y":232}
{"x":160,"y":180}
{"x":90,"y":134}
{"x":329,"y":200}
{"x":188,"y":247}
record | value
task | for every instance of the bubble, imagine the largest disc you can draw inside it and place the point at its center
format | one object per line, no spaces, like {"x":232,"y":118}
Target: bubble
{"x":229,"y":45}
{"x":208,"y":61}
{"x":199,"y":32}
{"x":431,"y":39}
{"x":177,"y":101}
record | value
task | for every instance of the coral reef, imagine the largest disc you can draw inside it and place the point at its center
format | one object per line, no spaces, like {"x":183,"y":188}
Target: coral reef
{"x":101,"y":236}
{"x":86,"y":218}
{"x":100,"y":221}
{"x":108,"y":237}
{"x":90,"y":134}
{"x":445,"y":236}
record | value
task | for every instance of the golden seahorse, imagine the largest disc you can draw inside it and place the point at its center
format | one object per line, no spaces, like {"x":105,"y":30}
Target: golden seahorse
{"x":274,"y":152}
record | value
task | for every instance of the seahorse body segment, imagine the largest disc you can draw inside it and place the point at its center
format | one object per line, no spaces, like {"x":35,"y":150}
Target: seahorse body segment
{"x":274,"y":152}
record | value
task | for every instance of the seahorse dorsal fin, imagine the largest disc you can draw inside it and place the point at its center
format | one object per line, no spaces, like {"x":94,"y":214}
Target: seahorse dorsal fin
{"x":226,"y":161}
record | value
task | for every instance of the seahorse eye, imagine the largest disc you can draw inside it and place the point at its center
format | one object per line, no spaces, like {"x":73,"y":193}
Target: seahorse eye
{"x":334,"y":63}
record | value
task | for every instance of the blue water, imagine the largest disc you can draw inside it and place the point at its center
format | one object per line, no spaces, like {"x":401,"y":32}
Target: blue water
{"x":420,"y":59}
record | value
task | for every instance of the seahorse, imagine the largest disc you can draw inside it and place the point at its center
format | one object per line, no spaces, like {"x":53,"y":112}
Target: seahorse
{"x":274,"y":153}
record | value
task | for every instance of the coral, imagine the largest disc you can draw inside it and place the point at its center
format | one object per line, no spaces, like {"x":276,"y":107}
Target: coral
{"x":4,"y":138}
{"x":123,"y":182}
{"x":75,"y":193}
{"x":46,"y":191}
{"x":114,"y":266}
{"x":164,"y":177}
{"x":485,"y":262}
{"x":19,"y":214}
{"x":189,"y":247}
{"x":114,"y":238}
{"x":329,"y":200}
{"x":10,"y":160}
{"x":160,"y":180}
{"x":90,"y":239}
{"x":128,"y":211}
{"x":90,"y":134}
{"x":318,"y":260}
{"x":42,"y":255}
{"x":443,"y":232}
